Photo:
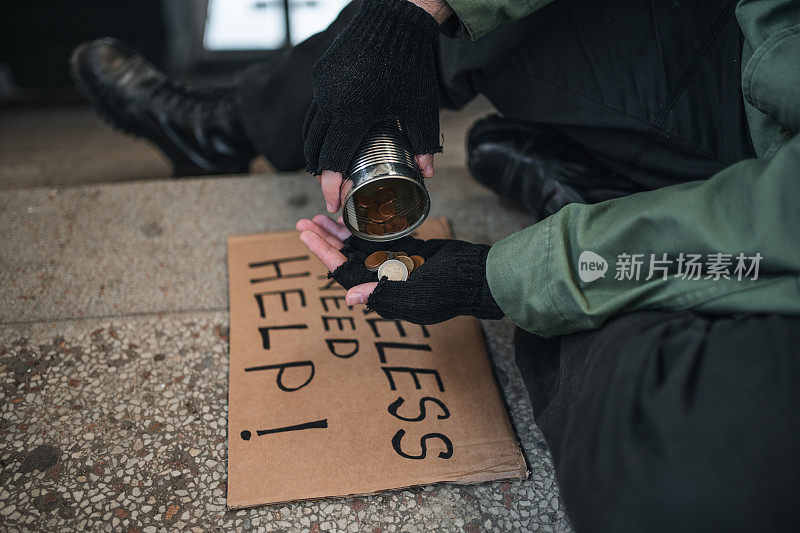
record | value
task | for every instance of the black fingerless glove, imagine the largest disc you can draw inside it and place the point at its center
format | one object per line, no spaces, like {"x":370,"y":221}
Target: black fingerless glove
{"x":381,"y":66}
{"x":353,"y":272}
{"x":451,"y":282}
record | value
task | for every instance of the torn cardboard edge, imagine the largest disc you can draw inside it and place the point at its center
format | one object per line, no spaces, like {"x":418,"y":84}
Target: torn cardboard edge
{"x":515,"y":477}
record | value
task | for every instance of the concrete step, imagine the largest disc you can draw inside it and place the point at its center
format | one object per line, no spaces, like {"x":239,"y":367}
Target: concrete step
{"x":113,"y":362}
{"x":159,"y":246}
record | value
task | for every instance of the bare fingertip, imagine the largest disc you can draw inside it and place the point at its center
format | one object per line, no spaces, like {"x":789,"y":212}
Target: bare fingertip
{"x":354,"y":298}
{"x":306,"y":235}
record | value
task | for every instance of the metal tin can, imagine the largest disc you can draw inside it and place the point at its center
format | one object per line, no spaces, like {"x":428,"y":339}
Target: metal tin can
{"x":383,"y":195}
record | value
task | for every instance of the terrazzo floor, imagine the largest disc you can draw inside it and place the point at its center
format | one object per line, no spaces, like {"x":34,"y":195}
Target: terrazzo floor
{"x":113,"y":364}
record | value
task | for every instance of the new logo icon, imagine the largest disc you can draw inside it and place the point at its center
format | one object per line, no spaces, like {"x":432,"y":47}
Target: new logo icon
{"x":591,"y":266}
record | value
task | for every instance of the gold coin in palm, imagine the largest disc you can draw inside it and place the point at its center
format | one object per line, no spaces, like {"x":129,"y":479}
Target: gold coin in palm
{"x":394,"y":270}
{"x":375,"y":259}
{"x":407,"y":262}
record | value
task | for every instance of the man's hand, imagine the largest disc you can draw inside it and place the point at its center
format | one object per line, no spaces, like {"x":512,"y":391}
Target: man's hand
{"x":381,"y":66}
{"x":451,"y":282}
{"x":325,"y":239}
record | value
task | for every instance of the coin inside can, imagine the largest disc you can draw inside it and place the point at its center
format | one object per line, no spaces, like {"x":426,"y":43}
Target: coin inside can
{"x":386,"y":210}
{"x":374,"y":214}
{"x":394,"y":270}
{"x":384,"y":195}
{"x":364,"y":200}
{"x":396,"y":223}
{"x":375,"y":229}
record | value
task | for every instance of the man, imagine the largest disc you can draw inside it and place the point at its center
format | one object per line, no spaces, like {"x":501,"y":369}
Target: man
{"x":668,"y":396}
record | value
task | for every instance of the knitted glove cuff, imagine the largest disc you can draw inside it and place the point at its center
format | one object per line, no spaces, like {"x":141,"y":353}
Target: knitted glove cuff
{"x":485,"y":305}
{"x":404,"y":23}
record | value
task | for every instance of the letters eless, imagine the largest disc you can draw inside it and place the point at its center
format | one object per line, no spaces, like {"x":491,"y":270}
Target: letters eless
{"x":343,"y":348}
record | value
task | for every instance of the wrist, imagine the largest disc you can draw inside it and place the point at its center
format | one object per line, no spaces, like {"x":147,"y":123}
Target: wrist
{"x":404,"y":15}
{"x":438,"y":9}
{"x":487,"y":307}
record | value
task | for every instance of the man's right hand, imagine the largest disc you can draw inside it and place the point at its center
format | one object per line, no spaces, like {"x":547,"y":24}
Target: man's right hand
{"x":382,"y":65}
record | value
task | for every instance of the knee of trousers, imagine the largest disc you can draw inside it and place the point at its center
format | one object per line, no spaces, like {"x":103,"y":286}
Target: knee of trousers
{"x":677,"y":420}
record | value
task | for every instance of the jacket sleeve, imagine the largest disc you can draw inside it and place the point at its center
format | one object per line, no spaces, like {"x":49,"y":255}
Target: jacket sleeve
{"x":770,"y":70}
{"x":750,"y":208}
{"x":479,"y":17}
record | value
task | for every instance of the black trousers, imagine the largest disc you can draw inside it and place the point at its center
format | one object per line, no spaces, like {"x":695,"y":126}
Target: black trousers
{"x":656,"y":421}
{"x":672,"y":421}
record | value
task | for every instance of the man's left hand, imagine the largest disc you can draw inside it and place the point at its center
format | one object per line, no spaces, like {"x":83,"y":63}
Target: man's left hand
{"x":452,"y":281}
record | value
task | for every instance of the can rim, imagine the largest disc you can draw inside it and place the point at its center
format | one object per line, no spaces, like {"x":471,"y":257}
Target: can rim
{"x":393,"y":236}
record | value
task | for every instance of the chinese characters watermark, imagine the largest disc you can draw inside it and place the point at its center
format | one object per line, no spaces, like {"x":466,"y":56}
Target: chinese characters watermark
{"x":686,"y":266}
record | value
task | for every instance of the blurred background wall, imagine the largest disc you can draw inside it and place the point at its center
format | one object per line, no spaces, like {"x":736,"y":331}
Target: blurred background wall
{"x":196,"y":40}
{"x":48,"y":134}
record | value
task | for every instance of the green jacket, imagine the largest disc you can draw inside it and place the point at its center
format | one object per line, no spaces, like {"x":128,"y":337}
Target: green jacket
{"x":744,"y":217}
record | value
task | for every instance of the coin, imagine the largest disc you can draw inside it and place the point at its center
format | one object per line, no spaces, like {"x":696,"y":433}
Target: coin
{"x":374,"y":229}
{"x":374,"y":260}
{"x":396,"y":223}
{"x":364,"y":200}
{"x":407,"y":262}
{"x":418,"y":261}
{"x":386,"y":210}
{"x":394,"y":270}
{"x":384,"y":195}
{"x":374,"y":215}
{"x":401,"y":253}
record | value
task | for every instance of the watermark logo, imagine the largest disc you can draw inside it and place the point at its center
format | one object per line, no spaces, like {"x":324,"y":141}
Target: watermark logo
{"x":686,"y":266}
{"x":591,"y":266}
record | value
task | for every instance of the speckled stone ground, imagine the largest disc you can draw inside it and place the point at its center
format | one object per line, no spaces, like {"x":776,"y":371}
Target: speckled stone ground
{"x":113,"y":365}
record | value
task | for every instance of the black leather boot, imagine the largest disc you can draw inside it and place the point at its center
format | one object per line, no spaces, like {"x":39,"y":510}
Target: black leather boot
{"x":199,"y":131}
{"x":538,"y":168}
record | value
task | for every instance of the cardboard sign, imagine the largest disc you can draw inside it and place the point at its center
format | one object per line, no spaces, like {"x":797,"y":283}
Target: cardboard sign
{"x":327,"y":400}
